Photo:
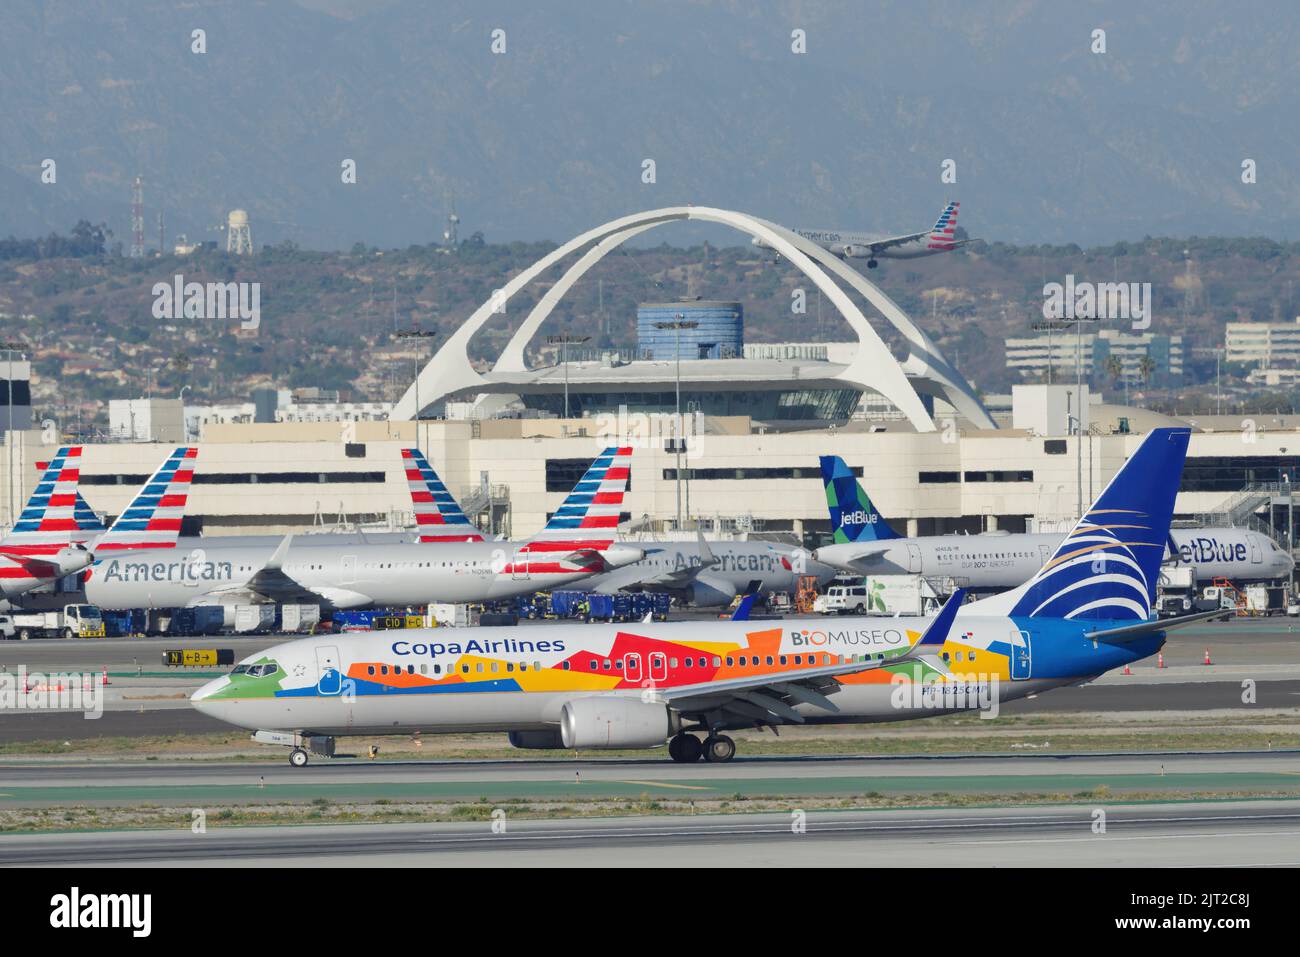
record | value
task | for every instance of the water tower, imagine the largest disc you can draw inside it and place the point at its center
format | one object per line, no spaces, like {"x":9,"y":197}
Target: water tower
{"x":239,"y":239}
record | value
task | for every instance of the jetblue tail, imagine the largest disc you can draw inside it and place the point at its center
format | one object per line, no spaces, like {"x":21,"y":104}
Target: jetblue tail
{"x":438,"y":515}
{"x":153,"y":519}
{"x":588,"y":518}
{"x":853,"y":517}
{"x":1108,"y":566}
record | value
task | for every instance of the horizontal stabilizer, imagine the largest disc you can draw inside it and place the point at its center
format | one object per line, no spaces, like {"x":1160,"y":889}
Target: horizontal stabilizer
{"x":1127,"y":633}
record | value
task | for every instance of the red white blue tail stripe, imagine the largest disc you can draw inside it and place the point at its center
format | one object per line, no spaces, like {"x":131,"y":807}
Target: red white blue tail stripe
{"x":438,"y":515}
{"x":153,"y":519}
{"x":942,"y":236}
{"x":588,"y":518}
{"x":49,"y":521}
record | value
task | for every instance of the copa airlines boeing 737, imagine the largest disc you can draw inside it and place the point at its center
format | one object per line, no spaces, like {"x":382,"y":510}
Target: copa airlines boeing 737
{"x":1086,"y":611}
{"x":940,"y":238}
{"x":865,"y":544}
{"x":453,"y":564}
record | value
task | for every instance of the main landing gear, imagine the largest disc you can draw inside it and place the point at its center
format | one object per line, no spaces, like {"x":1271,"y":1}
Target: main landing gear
{"x":298,"y":758}
{"x":687,"y":748}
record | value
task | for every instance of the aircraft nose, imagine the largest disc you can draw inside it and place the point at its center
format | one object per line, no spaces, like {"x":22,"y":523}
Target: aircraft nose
{"x":207,"y":690}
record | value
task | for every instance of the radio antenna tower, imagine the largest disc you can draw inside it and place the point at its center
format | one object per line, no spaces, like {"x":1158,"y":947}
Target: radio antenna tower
{"x":137,"y":219}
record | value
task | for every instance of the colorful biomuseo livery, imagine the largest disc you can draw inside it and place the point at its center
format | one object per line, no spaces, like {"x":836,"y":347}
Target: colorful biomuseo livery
{"x":1086,"y":611}
{"x":865,"y":544}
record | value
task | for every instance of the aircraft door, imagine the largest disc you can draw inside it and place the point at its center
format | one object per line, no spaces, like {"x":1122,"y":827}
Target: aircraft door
{"x":913,"y":559}
{"x":519,"y":566}
{"x":329,"y":681}
{"x":658,"y":666}
{"x":1256,"y":553}
{"x":348,"y":570}
{"x":632,"y":667}
{"x":1021,"y":655}
{"x":1045,"y":555}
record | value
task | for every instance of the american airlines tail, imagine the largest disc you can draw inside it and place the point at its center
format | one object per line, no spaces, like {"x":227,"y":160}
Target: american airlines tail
{"x":1108,"y":566}
{"x":588,"y":518}
{"x":52,"y":518}
{"x":437,"y":513}
{"x":153,"y":519}
{"x":853,"y":517}
{"x":942,"y":235}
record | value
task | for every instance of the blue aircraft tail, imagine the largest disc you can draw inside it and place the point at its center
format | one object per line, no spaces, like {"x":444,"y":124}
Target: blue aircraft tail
{"x":1108,"y":566}
{"x":853,"y":517}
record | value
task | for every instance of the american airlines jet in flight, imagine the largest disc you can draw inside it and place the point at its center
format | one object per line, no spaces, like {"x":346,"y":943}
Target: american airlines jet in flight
{"x":940,"y":238}
{"x":865,"y":544}
{"x":453,"y":564}
{"x":1086,"y":611}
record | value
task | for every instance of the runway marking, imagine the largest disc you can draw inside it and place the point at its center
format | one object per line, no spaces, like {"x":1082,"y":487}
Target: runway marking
{"x":1135,"y":837}
{"x":665,"y":784}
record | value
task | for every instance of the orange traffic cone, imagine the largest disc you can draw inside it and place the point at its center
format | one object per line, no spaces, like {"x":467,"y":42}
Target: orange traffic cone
{"x":1128,"y":670}
{"x":1160,"y":659}
{"x":105,"y":679}
{"x":1207,"y":660}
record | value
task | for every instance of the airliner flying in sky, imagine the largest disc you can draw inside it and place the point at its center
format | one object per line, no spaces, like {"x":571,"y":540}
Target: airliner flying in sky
{"x":866,"y":544}
{"x":940,"y":238}
{"x":452,"y":562}
{"x":1086,"y":611}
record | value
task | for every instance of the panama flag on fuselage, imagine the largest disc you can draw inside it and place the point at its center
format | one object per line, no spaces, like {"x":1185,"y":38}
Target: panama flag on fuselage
{"x":438,"y":515}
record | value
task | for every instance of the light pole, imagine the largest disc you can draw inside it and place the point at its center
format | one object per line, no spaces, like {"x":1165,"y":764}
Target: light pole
{"x":419,"y":335}
{"x":10,"y":348}
{"x":565,"y":339}
{"x":677,"y":325}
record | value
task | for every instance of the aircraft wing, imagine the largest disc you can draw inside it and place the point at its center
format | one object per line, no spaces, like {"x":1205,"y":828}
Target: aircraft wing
{"x":770,"y":698}
{"x":876,"y":245}
{"x":270,"y":582}
{"x":859,"y":561}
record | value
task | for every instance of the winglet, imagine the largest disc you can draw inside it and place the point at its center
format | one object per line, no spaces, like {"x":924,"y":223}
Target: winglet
{"x":276,"y":561}
{"x":707,"y":558}
{"x":935,"y":635}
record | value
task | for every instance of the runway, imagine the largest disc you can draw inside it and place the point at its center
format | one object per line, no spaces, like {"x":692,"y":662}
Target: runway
{"x":44,"y":782}
{"x":1159,"y":835}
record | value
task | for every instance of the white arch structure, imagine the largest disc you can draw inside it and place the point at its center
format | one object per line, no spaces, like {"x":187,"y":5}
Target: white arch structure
{"x":873,"y":367}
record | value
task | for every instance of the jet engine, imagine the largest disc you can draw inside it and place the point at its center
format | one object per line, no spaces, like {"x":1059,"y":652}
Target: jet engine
{"x":710,"y":591}
{"x":536,"y":740}
{"x":72,"y":558}
{"x":856,"y":252}
{"x":611,"y":722}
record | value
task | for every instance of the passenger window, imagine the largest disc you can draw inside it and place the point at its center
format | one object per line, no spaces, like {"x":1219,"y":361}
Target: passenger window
{"x":717,"y":662}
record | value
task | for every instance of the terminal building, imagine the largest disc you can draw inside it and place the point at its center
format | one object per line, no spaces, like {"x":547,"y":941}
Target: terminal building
{"x":743,"y":457}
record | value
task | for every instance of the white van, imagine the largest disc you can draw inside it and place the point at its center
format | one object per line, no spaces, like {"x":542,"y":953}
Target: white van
{"x":842,"y":599}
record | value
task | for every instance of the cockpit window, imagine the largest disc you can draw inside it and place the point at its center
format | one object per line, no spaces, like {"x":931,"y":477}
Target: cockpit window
{"x":255,"y":671}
